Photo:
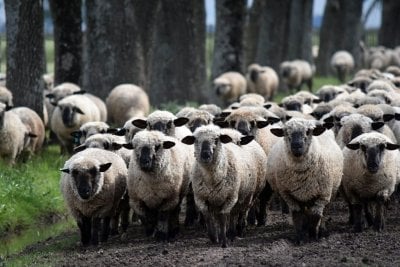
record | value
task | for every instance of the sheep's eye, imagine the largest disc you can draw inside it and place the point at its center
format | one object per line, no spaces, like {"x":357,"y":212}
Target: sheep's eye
{"x":308,"y":132}
{"x":93,"y":171}
{"x":102,"y":131}
{"x":74,"y":173}
{"x":216,"y":141}
{"x":105,"y":145}
{"x":157,"y":147}
{"x":381,"y":147}
{"x":169,"y":124}
{"x":363,"y":148}
{"x":252,"y":124}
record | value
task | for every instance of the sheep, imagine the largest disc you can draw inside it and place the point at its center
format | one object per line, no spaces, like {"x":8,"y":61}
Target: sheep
{"x":2,"y":79}
{"x":69,"y":115}
{"x":306,"y":171}
{"x":342,"y":62}
{"x":320,"y":110}
{"x":262,"y":80}
{"x":185,"y":111}
{"x":395,"y":70}
{"x":198,"y":118}
{"x":369,"y":177}
{"x":308,"y":97}
{"x":329,"y":92}
{"x":158,"y":180}
{"x":229,"y":86}
{"x":337,"y":114}
{"x":385,"y":85}
{"x":61,"y":91}
{"x":126,"y":101}
{"x":88,"y":129}
{"x":367,"y":100}
{"x":100,"y":105}
{"x":360,"y":82}
{"x":92,"y":184}
{"x":391,"y":117}
{"x":6,"y":97}
{"x":211,"y":108}
{"x":48,"y":79}
{"x":251,"y":99}
{"x":13,"y":133}
{"x":295,"y":103}
{"x":224,"y":179}
{"x":35,"y":126}
{"x":295,"y":73}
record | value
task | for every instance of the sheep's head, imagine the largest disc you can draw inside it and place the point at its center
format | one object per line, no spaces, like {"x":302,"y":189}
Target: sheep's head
{"x":162,"y":121}
{"x":354,"y":125}
{"x":69,"y":114}
{"x":87,"y":177}
{"x":372,"y":146}
{"x":63,"y":90}
{"x":298,"y":135}
{"x":199,"y":118}
{"x":321,"y":110}
{"x":361,"y":83}
{"x":88,"y":129}
{"x":101,"y":141}
{"x":222,"y":86}
{"x":3,"y":109}
{"x":327,"y":93}
{"x":149,"y":148}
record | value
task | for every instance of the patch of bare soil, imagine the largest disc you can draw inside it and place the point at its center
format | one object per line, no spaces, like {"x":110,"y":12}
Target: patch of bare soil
{"x":272,"y":245}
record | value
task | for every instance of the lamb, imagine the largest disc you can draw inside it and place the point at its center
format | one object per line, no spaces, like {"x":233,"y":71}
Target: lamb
{"x":70,"y":114}
{"x":224,"y":179}
{"x":13,"y":134}
{"x":369,"y":177}
{"x":296,"y":73}
{"x":88,"y":129}
{"x":342,"y":62}
{"x":262,"y":80}
{"x":35,"y":126}
{"x":158,"y":181}
{"x":92,"y":184}
{"x":229,"y":86}
{"x":306,"y":171}
{"x":6,"y":97}
{"x":126,"y":101}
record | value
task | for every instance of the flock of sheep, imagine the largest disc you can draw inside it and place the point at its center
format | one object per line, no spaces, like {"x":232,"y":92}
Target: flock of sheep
{"x":224,"y":164}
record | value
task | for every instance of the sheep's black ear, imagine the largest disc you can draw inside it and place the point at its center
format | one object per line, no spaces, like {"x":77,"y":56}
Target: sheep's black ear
{"x":222,"y":124}
{"x":261,"y":124}
{"x":328,"y":125}
{"x":317,"y":100}
{"x":50,"y":95}
{"x":128,"y":146}
{"x":8,"y":107}
{"x":388,"y":117}
{"x":104,"y":167}
{"x":397,"y":116}
{"x":188,"y":140}
{"x":78,"y":110}
{"x":318,"y":130}
{"x":277,"y":132}
{"x":54,"y":104}
{"x":234,"y":107}
{"x":142,"y":124}
{"x":390,"y":146}
{"x":246,"y":139}
{"x":280,"y":104}
{"x":116,"y":146}
{"x":111,"y":130}
{"x":377,"y":125}
{"x":66,"y":170}
{"x":225,"y":138}
{"x":76,"y":134}
{"x":353,"y":146}
{"x":267,"y":106}
{"x":81,"y":92}
{"x":328,"y":119}
{"x":120,"y":132}
{"x":80,"y":148}
{"x":32,"y":135}
{"x":180,"y":121}
{"x":224,"y":114}
{"x":288,"y":117}
{"x":168,"y":144}
{"x":272,"y":120}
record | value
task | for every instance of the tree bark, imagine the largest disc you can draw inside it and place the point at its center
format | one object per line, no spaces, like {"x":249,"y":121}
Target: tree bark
{"x":340,"y":30}
{"x":178,"y":62}
{"x":25,"y":53}
{"x":228,"y":40}
{"x":389,"y":33}
{"x":67,"y":20}
{"x":252,"y":31}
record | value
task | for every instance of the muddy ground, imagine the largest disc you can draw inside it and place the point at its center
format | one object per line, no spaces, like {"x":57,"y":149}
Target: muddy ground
{"x":272,"y":245}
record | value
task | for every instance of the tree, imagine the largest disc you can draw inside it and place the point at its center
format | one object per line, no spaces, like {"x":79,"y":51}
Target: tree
{"x":178,"y":62}
{"x":67,"y":21}
{"x":228,"y":40}
{"x":25,"y":52}
{"x":252,"y":31}
{"x":340,"y":30}
{"x":389,"y":33}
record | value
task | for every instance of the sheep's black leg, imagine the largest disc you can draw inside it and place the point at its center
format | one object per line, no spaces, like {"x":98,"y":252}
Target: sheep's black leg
{"x":105,"y":231}
{"x":241,"y":224}
{"x":231,"y":232}
{"x":368,"y":213}
{"x":125,"y":208}
{"x":211,"y":229}
{"x":149,"y":220}
{"x":379,"y":222}
{"x":310,"y":84}
{"x":162,"y":230}
{"x":264,"y":197}
{"x":299,"y":222}
{"x":358,"y":219}
{"x":251,"y":217}
{"x":222,"y":221}
{"x":314,"y":221}
{"x":174,"y":223}
{"x":191,"y":212}
{"x":85,"y":228}
{"x":95,"y":231}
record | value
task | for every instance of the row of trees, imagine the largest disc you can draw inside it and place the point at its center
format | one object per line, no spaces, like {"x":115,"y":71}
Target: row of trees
{"x":160,"y":45}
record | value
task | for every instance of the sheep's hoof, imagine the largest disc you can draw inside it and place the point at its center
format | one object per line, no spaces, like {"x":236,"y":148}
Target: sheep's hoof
{"x":161,"y":236}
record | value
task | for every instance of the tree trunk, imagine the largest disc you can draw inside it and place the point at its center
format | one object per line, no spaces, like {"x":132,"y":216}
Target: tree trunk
{"x":178,"y":62}
{"x":67,"y":22}
{"x":300,"y":31}
{"x":112,"y":47}
{"x":340,"y":30}
{"x":25,"y":53}
{"x":252,"y":31}
{"x":271,"y":48}
{"x":389,"y":33}
{"x":228,"y":40}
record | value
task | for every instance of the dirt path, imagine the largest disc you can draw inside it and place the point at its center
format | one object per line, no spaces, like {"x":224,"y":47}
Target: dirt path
{"x":270,"y":245}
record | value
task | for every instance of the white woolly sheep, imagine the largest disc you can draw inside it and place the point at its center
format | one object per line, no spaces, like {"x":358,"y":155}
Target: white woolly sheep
{"x":126,"y":101}
{"x":70,"y":114}
{"x":211,"y":108}
{"x":224,"y":180}
{"x":360,"y":82}
{"x":329,"y":92}
{"x":198,"y":118}
{"x":370,"y":173}
{"x":92,"y":184}
{"x":6,"y":97}
{"x":35,"y":126}
{"x":320,"y":110}
{"x":48,"y":79}
{"x":306,"y":170}
{"x":262,"y":80}
{"x":296,"y":73}
{"x":395,"y":70}
{"x":295,"y":103}
{"x":129,"y":130}
{"x":342,"y":62}
{"x":158,"y":181}
{"x":229,"y":86}
{"x":88,"y":129}
{"x":381,"y":84}
{"x":63,"y":90}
